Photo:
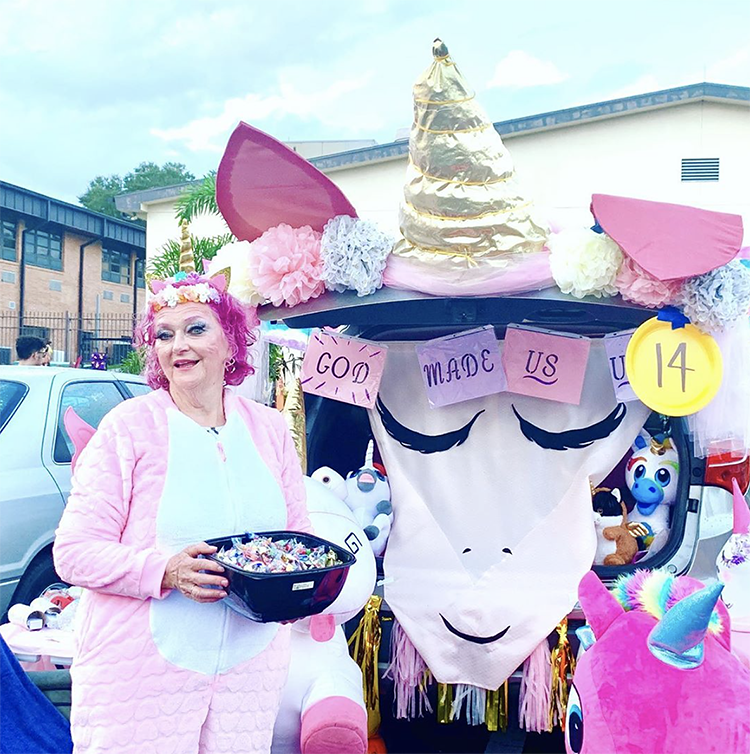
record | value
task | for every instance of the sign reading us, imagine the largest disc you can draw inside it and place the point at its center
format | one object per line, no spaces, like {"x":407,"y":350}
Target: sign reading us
{"x":344,"y":369}
{"x":544,"y":364}
{"x":461,"y":367}
{"x":616,"y":344}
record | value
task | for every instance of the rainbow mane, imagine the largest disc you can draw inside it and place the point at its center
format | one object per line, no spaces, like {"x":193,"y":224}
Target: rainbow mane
{"x":656,"y":592}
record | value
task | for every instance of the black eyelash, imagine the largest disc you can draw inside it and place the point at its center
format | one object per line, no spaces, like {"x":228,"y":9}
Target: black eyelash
{"x":423,"y":443}
{"x":572,"y":438}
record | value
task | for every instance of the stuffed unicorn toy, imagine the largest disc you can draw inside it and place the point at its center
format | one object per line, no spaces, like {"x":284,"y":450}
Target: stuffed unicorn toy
{"x":368,"y":495}
{"x":657,"y":674}
{"x":733,"y":565}
{"x":652,"y":474}
{"x":322,"y":710}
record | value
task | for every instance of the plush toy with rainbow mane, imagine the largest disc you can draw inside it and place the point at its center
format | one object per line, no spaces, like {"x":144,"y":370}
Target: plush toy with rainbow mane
{"x":657,"y":674}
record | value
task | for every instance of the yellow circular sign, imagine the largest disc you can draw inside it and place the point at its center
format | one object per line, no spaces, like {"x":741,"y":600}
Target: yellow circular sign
{"x":675,"y":372}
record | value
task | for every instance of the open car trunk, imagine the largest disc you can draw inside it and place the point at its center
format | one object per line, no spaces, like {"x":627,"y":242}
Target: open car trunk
{"x":338,"y":433}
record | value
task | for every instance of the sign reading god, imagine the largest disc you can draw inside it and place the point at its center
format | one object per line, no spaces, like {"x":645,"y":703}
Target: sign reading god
{"x":616,"y":344}
{"x":461,"y":367}
{"x":342,"y":368}
{"x":544,"y":364}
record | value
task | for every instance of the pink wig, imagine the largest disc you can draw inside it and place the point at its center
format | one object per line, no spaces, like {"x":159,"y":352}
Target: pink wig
{"x":235,"y":320}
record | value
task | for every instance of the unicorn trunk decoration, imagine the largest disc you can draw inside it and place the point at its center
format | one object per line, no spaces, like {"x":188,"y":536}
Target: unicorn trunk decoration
{"x":660,"y":676}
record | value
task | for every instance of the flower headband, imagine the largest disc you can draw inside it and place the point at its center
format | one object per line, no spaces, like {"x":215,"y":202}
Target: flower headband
{"x":198,"y":288}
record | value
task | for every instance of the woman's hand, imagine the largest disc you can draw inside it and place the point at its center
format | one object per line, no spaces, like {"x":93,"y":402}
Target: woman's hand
{"x":184,"y":572}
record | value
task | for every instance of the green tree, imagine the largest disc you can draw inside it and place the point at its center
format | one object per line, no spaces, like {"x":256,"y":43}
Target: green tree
{"x":101,"y":192}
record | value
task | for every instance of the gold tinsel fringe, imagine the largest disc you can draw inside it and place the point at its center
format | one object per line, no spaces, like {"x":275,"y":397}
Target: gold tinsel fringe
{"x":563,"y":663}
{"x":364,"y":646}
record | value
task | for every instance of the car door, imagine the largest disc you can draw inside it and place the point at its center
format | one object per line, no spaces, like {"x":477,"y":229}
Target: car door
{"x":29,"y":497}
{"x":91,"y":399}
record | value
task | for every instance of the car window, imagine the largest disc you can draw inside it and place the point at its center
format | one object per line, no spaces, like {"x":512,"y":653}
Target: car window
{"x":11,"y":395}
{"x":91,"y":401}
{"x":137,"y":388}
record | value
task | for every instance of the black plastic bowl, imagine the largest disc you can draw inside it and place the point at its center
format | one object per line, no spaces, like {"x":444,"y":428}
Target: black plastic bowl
{"x":272,"y":597}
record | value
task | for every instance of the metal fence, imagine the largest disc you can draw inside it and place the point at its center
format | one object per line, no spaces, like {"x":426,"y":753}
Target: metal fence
{"x":73,"y":337}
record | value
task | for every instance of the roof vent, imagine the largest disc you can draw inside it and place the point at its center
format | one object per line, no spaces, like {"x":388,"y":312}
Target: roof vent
{"x":700,"y":169}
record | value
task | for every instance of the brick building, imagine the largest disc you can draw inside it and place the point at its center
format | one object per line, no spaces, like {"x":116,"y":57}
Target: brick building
{"x":67,"y":274}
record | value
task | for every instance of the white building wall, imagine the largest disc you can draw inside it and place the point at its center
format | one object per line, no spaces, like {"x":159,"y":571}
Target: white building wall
{"x":636,"y":155}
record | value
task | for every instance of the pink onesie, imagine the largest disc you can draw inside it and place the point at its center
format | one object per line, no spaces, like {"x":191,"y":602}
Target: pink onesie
{"x":155,"y":671}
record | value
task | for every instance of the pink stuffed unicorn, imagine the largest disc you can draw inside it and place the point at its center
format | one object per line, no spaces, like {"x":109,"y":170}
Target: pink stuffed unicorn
{"x":660,"y":677}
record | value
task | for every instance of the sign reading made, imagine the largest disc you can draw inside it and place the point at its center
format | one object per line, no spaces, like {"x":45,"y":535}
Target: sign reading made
{"x":461,"y":367}
{"x":342,"y":368}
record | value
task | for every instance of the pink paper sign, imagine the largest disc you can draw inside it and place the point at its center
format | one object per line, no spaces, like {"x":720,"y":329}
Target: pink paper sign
{"x":545,"y":365}
{"x":461,"y":367}
{"x":345,"y":369}
{"x":616,"y":344}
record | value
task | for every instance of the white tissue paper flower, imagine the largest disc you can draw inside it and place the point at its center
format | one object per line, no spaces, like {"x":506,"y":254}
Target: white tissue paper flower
{"x":236,"y":256}
{"x":584,"y":263}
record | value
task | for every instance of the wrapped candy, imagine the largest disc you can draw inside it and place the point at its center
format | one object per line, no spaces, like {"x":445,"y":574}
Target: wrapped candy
{"x":265,"y":555}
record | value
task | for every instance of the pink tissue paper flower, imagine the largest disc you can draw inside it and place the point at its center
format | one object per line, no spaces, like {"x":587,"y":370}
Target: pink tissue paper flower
{"x":285,"y":265}
{"x":638,"y":286}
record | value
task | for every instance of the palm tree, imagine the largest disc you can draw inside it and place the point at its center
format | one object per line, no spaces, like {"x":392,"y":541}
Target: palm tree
{"x":199,"y":198}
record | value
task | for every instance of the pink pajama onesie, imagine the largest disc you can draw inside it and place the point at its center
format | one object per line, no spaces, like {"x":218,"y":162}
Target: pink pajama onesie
{"x":155,"y":671}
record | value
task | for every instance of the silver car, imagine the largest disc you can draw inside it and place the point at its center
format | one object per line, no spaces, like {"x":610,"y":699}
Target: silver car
{"x":35,"y":453}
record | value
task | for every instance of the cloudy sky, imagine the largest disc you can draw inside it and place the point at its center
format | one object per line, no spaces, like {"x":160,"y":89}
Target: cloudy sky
{"x":94,"y":87}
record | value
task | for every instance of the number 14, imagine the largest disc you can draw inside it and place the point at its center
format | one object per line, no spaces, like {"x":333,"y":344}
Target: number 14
{"x":681,"y":353}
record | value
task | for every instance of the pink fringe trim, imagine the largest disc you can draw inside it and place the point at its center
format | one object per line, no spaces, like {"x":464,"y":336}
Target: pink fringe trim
{"x":534,"y":696}
{"x":410,"y":676}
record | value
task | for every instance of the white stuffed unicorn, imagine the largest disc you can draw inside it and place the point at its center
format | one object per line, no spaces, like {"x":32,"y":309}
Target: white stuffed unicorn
{"x":367,"y":493}
{"x":652,"y":474}
{"x":322,"y":710}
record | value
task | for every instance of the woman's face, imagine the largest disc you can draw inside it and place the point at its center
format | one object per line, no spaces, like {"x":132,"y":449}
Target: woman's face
{"x":190,"y":345}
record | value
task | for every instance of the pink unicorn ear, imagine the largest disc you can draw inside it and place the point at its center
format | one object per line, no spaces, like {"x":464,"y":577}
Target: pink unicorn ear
{"x":262,"y":183}
{"x":600,"y":607}
{"x":80,"y":433}
{"x":155,"y":285}
{"x":220,"y":280}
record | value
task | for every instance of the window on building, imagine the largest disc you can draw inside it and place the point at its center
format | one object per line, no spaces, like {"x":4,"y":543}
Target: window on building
{"x":140,"y":273}
{"x":8,"y":247}
{"x":700,"y":169}
{"x":43,"y":249}
{"x":116,"y":266}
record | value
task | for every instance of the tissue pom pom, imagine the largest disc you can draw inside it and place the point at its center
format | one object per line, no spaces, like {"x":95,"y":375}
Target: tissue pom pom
{"x":584,"y":263}
{"x":640,"y":287}
{"x":236,"y":256}
{"x":285,"y":265}
{"x":354,"y":253}
{"x":718,"y":298}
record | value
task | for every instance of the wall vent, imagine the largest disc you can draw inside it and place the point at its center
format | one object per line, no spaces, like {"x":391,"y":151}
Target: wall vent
{"x":108,"y":295}
{"x":8,"y":277}
{"x":700,"y":169}
{"x":124,"y":298}
{"x":55,"y":285}
{"x":11,"y":304}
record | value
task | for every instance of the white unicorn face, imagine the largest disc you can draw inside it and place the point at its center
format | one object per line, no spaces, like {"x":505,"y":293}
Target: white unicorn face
{"x":332,"y":520}
{"x":493,"y":527}
{"x":652,"y":473}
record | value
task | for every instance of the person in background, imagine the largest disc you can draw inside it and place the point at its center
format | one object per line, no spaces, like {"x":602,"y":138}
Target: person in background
{"x":162,"y":664}
{"x":31,"y":351}
{"x":47,"y":354}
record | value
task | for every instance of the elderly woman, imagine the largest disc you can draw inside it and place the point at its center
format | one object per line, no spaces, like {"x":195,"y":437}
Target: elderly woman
{"x":162,"y":665}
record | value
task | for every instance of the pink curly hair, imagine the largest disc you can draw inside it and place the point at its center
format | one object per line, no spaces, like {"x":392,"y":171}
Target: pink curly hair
{"x":235,"y":320}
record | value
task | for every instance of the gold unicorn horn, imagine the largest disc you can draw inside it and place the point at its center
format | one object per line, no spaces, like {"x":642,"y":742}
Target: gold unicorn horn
{"x":187,"y":260}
